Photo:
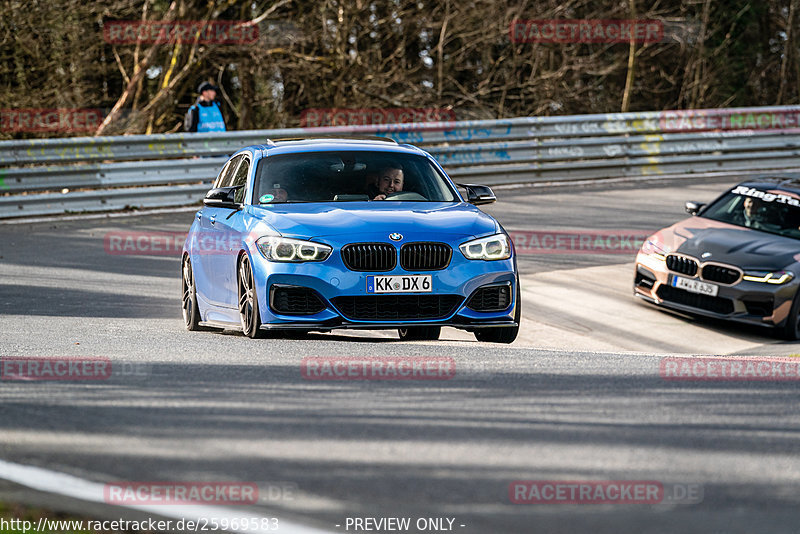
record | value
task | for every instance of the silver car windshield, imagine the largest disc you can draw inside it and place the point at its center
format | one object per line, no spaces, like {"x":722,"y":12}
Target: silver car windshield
{"x":774,"y":211}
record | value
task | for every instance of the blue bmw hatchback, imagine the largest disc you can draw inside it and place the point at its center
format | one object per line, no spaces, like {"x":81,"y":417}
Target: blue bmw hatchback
{"x":316,"y":234}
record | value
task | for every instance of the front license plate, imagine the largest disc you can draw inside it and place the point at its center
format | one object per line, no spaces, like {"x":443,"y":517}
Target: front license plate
{"x":695,"y":286}
{"x":399,"y":284}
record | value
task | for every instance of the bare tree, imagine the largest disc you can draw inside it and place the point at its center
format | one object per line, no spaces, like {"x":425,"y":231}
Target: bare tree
{"x":393,"y":53}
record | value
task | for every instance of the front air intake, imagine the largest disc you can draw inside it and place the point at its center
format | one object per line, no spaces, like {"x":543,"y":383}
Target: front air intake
{"x":397,"y":307}
{"x":295,"y":300}
{"x":490,"y":298}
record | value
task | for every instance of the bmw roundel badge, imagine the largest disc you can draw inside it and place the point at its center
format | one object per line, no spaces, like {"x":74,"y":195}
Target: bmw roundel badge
{"x":394,"y":236}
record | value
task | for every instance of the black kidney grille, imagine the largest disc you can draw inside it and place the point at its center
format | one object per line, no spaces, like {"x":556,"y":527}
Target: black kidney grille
{"x":369,"y":257}
{"x":721,"y":274}
{"x":681,"y":264}
{"x":295,"y":300}
{"x":425,"y":256}
{"x":492,"y":298}
{"x":397,"y":307}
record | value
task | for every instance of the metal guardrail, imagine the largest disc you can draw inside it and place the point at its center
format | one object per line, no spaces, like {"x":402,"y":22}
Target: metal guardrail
{"x":109,"y":173}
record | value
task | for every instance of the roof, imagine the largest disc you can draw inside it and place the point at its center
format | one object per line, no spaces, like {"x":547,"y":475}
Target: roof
{"x":275,"y":147}
{"x":784,"y":181}
{"x":329,"y":138}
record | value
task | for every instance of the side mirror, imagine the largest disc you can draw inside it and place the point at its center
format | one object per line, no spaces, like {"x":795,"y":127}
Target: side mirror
{"x":222,"y":197}
{"x":693,"y":208}
{"x":479,"y":194}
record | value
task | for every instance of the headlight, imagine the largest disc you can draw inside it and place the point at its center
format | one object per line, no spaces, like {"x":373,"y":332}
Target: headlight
{"x":653,"y":247}
{"x":766,"y":277}
{"x":494,"y":247}
{"x":292,"y":250}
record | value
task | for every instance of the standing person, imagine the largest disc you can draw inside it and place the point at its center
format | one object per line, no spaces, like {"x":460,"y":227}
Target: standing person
{"x":205,"y":115}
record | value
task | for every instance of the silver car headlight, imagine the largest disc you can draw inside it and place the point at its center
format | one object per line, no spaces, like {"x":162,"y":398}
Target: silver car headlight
{"x":494,"y":247}
{"x":767,"y":277}
{"x":277,"y":248}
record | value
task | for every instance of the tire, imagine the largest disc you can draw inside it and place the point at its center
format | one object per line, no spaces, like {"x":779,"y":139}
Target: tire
{"x":249,"y":315}
{"x":191,"y":315}
{"x":791,"y":330}
{"x":420,"y":333}
{"x":502,"y":334}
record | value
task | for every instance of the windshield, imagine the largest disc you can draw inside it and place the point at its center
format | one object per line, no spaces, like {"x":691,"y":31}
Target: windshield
{"x":348,"y":177}
{"x":774,"y":211}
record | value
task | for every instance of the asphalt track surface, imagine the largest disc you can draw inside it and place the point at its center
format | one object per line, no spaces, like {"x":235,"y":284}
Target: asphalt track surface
{"x":577,"y":397}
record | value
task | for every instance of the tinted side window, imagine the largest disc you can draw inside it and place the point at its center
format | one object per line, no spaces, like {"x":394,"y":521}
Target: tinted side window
{"x":240,"y":178}
{"x":226,"y":176}
{"x":218,"y":179}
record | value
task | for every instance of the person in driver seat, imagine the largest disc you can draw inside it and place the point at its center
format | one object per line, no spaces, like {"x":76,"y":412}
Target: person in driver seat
{"x":390,"y":180}
{"x":750,"y":215}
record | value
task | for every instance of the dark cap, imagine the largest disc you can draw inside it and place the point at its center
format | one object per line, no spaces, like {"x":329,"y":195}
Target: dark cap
{"x":205,"y":86}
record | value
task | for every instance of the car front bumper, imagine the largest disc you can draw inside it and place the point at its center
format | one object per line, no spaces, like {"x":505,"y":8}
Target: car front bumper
{"x":746,"y":302}
{"x":331,"y":281}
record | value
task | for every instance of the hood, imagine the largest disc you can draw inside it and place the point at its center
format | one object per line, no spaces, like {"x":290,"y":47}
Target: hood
{"x":428,"y":219}
{"x":727,"y":243}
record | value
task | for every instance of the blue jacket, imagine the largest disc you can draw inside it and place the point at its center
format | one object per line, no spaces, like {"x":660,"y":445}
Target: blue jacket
{"x":204,"y":117}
